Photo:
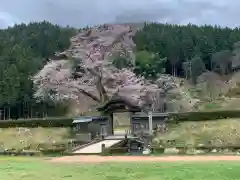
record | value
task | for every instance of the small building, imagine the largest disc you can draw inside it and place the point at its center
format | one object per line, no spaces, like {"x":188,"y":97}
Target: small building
{"x":87,"y":128}
{"x":140,"y":122}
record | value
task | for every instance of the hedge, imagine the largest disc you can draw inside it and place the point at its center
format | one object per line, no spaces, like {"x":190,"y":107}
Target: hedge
{"x":48,"y":122}
{"x":204,"y":115}
{"x":174,"y":117}
{"x":114,"y":151}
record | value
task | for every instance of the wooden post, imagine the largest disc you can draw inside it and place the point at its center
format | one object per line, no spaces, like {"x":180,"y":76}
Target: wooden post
{"x":131,"y":123}
{"x":129,"y":146}
{"x":150,"y":122}
{"x":111,"y":123}
{"x":103,"y":148}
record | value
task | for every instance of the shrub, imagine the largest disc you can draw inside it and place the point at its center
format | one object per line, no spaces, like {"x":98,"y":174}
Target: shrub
{"x":48,"y":122}
{"x":205,"y":115}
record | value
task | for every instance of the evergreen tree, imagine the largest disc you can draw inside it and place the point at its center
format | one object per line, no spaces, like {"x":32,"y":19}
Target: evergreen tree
{"x":197,"y":68}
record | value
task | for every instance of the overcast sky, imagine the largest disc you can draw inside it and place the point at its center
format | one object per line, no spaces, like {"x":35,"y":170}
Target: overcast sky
{"x":79,"y":13}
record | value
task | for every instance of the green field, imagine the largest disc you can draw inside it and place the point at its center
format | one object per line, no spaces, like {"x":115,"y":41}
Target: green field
{"x":20,"y":168}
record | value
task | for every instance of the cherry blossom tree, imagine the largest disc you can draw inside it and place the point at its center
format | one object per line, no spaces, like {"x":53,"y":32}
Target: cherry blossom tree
{"x":94,"y":74}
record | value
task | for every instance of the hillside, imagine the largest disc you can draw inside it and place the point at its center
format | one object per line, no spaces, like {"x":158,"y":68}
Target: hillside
{"x":172,"y":67}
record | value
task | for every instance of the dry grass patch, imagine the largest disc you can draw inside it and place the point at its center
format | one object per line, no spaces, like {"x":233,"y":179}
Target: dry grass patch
{"x":31,"y":138}
{"x":221,"y":132}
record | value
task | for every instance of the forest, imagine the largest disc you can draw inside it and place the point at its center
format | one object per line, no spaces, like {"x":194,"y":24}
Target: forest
{"x":24,"y":49}
{"x":184,"y":51}
{"x":189,"y":50}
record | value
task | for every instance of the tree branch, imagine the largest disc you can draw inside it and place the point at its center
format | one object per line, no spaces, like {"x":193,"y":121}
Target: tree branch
{"x":99,"y":85}
{"x":95,"y":98}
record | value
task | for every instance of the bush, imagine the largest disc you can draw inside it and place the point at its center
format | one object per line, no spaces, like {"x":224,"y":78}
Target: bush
{"x":53,"y":151}
{"x":158,"y":150}
{"x":205,"y":115}
{"x":120,"y":150}
{"x":115,"y":151}
{"x":48,"y":122}
{"x":212,"y":106}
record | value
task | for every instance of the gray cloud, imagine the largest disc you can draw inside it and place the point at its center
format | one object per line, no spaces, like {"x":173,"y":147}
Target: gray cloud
{"x":79,"y":13}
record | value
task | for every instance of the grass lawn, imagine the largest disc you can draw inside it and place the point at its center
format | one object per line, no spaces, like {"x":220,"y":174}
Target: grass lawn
{"x":21,"y":168}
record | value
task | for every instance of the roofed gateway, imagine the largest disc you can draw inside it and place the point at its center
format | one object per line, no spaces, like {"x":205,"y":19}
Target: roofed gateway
{"x":138,"y":119}
{"x":117,"y":105}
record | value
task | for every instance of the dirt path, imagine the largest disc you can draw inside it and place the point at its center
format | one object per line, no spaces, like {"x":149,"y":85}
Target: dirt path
{"x":99,"y":159}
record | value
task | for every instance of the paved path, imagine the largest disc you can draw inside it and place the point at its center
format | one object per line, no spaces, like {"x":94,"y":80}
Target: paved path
{"x":99,"y":159}
{"x":97,"y":147}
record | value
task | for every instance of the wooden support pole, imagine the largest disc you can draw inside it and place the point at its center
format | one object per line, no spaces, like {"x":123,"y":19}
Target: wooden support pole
{"x":103,"y":148}
{"x":150,"y":122}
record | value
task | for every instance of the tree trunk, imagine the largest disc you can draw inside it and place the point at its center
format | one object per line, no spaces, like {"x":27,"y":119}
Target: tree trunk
{"x":43,"y":110}
{"x":30,"y":110}
{"x":174,"y":70}
{"x":22,"y":109}
{"x":190,"y":70}
{"x":186,"y":74}
{"x":4,"y":113}
{"x":9,"y":113}
{"x":101,"y":90}
{"x":18,"y":111}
